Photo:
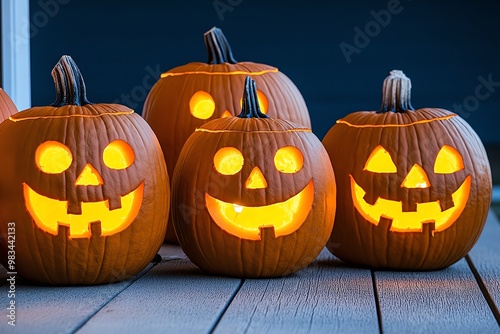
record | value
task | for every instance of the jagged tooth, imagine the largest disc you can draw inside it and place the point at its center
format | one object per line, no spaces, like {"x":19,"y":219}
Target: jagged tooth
{"x":73,"y":208}
{"x":267,"y":231}
{"x":95,"y":229}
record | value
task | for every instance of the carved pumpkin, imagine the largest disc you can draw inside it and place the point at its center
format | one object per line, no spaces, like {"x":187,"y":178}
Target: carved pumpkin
{"x":415,"y":184}
{"x":7,"y":107}
{"x":85,"y":185}
{"x":188,"y":96}
{"x":253,"y":196}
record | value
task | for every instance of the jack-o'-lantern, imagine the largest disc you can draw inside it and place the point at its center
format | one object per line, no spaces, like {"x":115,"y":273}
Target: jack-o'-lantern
{"x":415,"y":185}
{"x":85,"y":186}
{"x":7,"y":107}
{"x":188,"y":96}
{"x":253,"y":196}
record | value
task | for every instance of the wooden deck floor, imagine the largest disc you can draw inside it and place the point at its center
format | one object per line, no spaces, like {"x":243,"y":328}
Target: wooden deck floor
{"x":174,"y":296}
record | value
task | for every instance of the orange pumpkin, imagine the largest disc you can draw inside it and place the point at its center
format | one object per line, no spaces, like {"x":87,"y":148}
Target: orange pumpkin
{"x":84,"y":188}
{"x":415,"y":184}
{"x":7,"y":107}
{"x":188,"y":96}
{"x":253,"y":196}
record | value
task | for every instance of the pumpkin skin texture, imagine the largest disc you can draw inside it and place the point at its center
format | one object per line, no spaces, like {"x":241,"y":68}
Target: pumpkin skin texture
{"x":67,"y":215}
{"x":415,"y":184}
{"x":7,"y":107}
{"x":168,"y":106}
{"x":201,"y":189}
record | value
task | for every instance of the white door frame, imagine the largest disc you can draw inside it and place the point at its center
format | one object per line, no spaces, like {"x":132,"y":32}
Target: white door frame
{"x":16,"y":72}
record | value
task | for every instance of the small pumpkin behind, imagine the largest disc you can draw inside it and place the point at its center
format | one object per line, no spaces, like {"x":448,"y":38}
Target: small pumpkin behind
{"x":188,"y":96}
{"x":7,"y":107}
{"x":253,"y":196}
{"x":414,"y":185}
{"x":83,"y":189}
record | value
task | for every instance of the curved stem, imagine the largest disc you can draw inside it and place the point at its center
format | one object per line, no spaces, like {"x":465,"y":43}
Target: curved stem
{"x":218,"y":48}
{"x":70,"y":87}
{"x":250,"y":104}
{"x":396,"y":93}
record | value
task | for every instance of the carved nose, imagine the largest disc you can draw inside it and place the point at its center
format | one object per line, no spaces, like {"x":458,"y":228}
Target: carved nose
{"x":416,"y":178}
{"x":89,"y":177}
{"x":256,"y":180}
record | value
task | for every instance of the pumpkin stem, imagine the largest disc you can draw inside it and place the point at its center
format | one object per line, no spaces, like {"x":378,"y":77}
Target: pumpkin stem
{"x":250,"y":104}
{"x":218,"y":48}
{"x":396,"y":93}
{"x":70,"y":87}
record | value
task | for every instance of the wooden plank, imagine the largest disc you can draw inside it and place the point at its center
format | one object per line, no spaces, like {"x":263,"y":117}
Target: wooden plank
{"x":325,"y":297}
{"x":47,"y":309}
{"x":174,"y":297}
{"x":445,"y":301}
{"x":485,"y":258}
{"x":172,"y":252}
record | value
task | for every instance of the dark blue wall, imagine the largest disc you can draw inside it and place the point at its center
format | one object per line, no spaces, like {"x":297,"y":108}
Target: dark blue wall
{"x":443,"y":46}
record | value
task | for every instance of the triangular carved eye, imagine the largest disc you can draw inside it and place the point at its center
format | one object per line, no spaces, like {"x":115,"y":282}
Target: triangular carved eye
{"x":448,"y":161}
{"x":380,"y":161}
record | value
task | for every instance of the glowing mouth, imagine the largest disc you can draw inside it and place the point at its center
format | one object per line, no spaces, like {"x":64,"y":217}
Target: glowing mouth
{"x":49,"y":213}
{"x":413,"y":221}
{"x":246,"y":221}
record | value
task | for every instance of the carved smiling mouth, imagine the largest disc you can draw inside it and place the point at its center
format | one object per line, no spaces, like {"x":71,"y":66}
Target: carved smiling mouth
{"x":49,"y":213}
{"x":412,"y":221}
{"x":246,"y":221}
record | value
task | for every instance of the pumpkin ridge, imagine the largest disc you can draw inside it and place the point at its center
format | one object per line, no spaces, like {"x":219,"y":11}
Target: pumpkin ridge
{"x":250,"y":131}
{"x":228,"y":71}
{"x":213,"y":229}
{"x":38,"y":256}
{"x":58,"y":112}
{"x":461,"y":127}
{"x":390,"y":125}
{"x":248,"y":66}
